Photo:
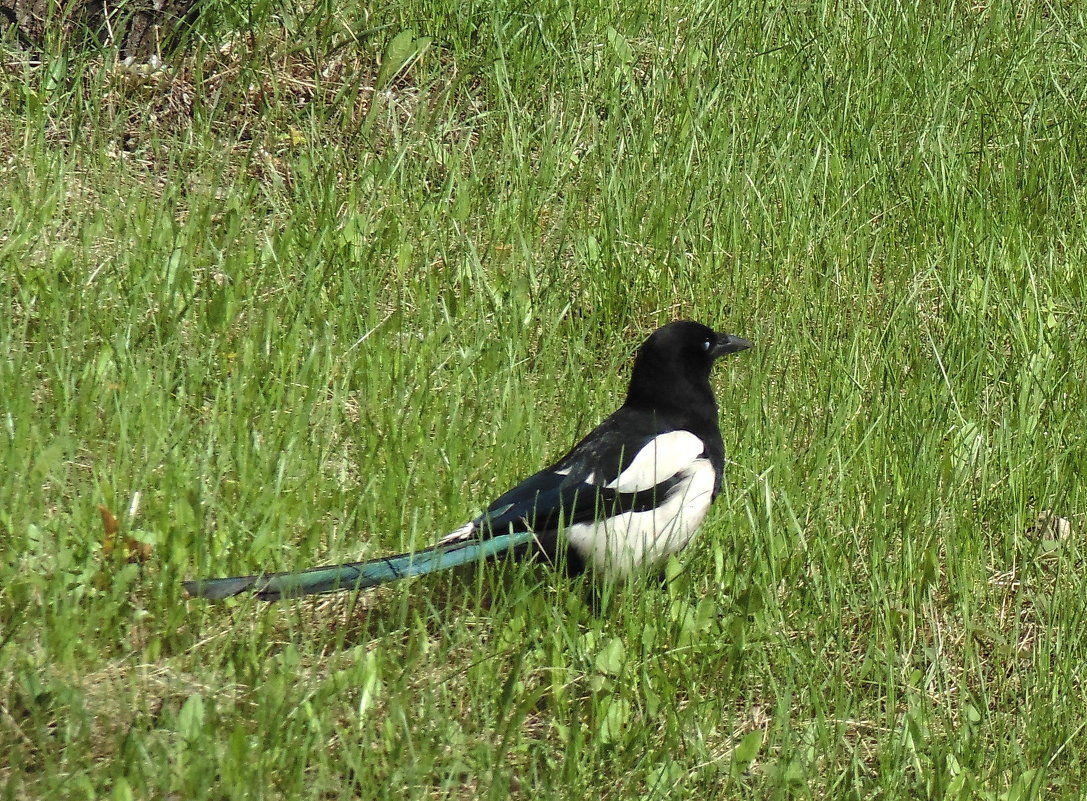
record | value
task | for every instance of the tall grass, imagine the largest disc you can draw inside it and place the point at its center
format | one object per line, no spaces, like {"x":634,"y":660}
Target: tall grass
{"x":322,"y":288}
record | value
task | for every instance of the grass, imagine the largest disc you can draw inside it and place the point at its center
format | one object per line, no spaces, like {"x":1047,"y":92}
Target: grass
{"x":322,"y":288}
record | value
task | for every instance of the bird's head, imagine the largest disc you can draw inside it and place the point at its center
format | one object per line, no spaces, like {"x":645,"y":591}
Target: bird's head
{"x":676,"y":359}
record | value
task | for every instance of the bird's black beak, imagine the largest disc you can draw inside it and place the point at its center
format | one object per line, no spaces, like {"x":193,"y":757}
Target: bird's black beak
{"x":726,"y":343}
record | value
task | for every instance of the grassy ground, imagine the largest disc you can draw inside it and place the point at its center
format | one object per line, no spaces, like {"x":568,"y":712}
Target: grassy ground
{"x":321,"y":289}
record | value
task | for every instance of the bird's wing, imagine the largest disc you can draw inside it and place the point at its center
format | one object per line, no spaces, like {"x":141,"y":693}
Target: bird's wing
{"x":610,"y":472}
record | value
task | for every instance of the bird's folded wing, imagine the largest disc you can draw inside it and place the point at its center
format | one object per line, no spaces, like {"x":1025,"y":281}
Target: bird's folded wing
{"x":603,"y":476}
{"x":535,"y":506}
{"x":580,"y":491}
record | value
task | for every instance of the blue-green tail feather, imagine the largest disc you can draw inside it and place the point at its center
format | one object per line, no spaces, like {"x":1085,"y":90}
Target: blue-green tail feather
{"x":358,"y":575}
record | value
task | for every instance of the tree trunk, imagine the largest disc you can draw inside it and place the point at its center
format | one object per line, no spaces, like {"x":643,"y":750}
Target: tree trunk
{"x":138,"y":28}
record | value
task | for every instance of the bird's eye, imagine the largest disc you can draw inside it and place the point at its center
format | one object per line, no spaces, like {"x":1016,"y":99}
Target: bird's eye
{"x":707,"y":344}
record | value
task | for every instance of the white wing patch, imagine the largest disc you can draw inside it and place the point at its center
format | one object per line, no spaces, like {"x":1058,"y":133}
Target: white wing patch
{"x":461,"y":534}
{"x":664,"y":456}
{"x":589,"y":479}
{"x":629,"y":542}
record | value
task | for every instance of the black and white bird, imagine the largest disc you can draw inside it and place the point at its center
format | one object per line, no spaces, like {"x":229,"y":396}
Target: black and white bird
{"x":630,"y":494}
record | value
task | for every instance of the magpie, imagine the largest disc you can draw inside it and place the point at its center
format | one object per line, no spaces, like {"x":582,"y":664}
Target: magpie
{"x":633,"y":492}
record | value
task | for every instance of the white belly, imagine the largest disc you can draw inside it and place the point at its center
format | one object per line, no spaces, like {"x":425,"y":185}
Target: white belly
{"x":636,"y":541}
